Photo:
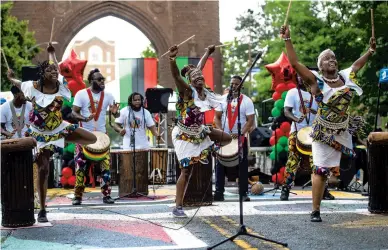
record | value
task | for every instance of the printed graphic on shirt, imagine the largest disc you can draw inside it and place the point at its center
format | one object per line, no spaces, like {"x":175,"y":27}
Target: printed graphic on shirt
{"x":136,"y":123}
{"x":306,"y":105}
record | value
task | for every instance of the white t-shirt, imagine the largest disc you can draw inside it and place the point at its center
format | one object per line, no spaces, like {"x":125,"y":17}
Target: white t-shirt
{"x":246,"y":109}
{"x":141,"y":120}
{"x":6,"y":117}
{"x":293,"y":101}
{"x":81,"y":100}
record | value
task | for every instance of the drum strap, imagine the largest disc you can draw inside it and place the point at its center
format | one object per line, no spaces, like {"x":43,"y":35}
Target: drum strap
{"x":99,"y":108}
{"x":232,"y":118}
{"x":303,"y":107}
{"x":18,"y":121}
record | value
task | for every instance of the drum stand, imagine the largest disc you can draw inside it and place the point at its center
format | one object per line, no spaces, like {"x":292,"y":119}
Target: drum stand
{"x":134,"y":193}
{"x":242,"y":230}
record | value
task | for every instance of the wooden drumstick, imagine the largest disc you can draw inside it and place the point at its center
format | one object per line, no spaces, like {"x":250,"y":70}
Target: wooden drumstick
{"x":52,"y":30}
{"x":372,"y":22}
{"x":5,"y":59}
{"x":223,"y":45}
{"x":288,"y":12}
{"x":179,"y":45}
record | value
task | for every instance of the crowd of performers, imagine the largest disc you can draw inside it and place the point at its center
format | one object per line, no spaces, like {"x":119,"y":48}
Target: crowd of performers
{"x":321,"y":101}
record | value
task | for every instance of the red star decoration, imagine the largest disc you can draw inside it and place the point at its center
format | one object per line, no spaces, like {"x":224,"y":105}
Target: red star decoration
{"x":281,"y":71}
{"x":73,"y":70}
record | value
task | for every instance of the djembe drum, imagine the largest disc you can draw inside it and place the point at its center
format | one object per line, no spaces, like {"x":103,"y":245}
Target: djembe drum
{"x":17,"y":188}
{"x":228,"y":155}
{"x":304,"y":146}
{"x":125,"y":176}
{"x":98,"y":150}
{"x":158,"y":165}
{"x":378,"y":172}
{"x":199,"y":189}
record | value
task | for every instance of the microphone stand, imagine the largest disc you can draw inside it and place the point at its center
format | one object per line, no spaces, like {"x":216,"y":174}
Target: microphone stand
{"x":134,"y":193}
{"x":242,"y":230}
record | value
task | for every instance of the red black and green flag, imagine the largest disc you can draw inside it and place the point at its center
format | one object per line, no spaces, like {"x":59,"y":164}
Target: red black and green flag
{"x":207,"y":73}
{"x":137,"y":75}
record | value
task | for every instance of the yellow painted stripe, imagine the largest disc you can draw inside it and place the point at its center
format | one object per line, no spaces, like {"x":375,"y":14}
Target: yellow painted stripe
{"x":249,"y":230}
{"x":373,"y":221}
{"x":241,"y":243}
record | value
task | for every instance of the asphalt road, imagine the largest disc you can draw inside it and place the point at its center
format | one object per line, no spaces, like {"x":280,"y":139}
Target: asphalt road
{"x":346,"y":225}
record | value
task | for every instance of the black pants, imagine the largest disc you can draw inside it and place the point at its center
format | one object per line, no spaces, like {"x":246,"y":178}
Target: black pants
{"x":242,"y":170}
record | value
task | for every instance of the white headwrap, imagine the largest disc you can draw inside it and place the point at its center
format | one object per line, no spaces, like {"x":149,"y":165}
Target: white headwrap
{"x":193,"y":72}
{"x":321,"y":56}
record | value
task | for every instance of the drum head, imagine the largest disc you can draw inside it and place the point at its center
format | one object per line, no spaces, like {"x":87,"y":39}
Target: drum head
{"x":101,"y":145}
{"x":304,"y":136}
{"x":229,"y":150}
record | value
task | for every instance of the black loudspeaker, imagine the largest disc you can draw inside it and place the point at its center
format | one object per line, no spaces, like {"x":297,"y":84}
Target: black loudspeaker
{"x":260,"y":137}
{"x":157,"y":99}
{"x":30,"y":73}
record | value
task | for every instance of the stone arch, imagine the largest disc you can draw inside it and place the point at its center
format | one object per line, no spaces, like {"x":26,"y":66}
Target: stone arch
{"x":77,"y":20}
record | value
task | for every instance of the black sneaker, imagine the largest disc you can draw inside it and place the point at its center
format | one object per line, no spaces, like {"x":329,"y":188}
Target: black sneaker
{"x":315,"y":216}
{"x":218,"y":197}
{"x":77,"y":201}
{"x":285,"y":193}
{"x":327,"y":195}
{"x":108,"y":200}
{"x":42,"y":216}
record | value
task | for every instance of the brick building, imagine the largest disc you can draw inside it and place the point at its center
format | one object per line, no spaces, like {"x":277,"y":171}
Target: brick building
{"x":164,"y":23}
{"x":100,"y":54}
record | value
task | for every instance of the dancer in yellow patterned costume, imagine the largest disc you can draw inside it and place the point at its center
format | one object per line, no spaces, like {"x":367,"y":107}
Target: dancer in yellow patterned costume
{"x":301,"y":108}
{"x":191,"y":138}
{"x":47,"y":125}
{"x":333,"y":126}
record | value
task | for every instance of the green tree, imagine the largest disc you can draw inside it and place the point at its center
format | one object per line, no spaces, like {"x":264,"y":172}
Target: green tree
{"x":16,"y":42}
{"x":368,"y":76}
{"x":343,"y":26}
{"x":149,"y":52}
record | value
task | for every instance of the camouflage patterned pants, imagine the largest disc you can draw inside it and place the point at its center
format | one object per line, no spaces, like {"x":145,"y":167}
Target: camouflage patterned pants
{"x":82,"y":167}
{"x":294,"y":161}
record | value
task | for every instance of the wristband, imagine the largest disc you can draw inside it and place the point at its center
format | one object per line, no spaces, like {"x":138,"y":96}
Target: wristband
{"x":287,"y":39}
{"x":371,"y":51}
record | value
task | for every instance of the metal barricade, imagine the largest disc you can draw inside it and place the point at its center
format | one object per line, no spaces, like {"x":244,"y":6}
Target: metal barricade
{"x":262,"y":159}
{"x":171,"y":166}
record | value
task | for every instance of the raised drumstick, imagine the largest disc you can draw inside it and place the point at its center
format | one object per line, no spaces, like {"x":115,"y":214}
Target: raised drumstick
{"x":288,"y":12}
{"x":179,"y":45}
{"x":52,"y":30}
{"x":372,"y":23}
{"x":223,"y":45}
{"x":5,"y":59}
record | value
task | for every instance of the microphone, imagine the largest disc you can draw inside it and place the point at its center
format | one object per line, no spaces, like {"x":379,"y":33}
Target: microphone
{"x":229,"y":97}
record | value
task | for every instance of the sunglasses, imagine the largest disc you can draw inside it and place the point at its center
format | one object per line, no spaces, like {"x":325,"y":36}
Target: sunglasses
{"x":99,"y":79}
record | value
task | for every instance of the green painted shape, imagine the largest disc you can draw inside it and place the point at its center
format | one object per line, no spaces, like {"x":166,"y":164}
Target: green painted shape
{"x":125,"y":71}
{"x":181,"y":62}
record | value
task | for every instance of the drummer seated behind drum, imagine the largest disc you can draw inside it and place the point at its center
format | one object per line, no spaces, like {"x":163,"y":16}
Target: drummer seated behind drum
{"x":135,"y":118}
{"x":226,"y":119}
{"x":89,"y":108}
{"x":301,"y":117}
